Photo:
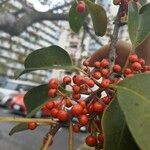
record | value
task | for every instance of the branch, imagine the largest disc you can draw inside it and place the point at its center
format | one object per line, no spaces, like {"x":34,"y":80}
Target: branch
{"x":114,"y":38}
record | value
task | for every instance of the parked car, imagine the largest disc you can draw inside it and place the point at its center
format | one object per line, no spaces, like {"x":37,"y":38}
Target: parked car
{"x":9,"y":88}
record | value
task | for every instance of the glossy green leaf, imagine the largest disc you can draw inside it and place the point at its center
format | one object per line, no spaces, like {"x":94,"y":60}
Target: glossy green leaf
{"x":76,"y":19}
{"x":48,"y":58}
{"x":138,"y":23}
{"x":99,"y":18}
{"x":117,"y":135}
{"x":134,"y":99}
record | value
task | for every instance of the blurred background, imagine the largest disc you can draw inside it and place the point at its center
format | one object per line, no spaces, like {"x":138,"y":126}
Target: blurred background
{"x":27,"y":25}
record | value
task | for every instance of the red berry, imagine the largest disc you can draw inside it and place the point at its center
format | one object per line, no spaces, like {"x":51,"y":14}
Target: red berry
{"x":90,"y":83}
{"x":91,"y":141}
{"x":49,"y":105}
{"x":106,"y":100}
{"x":85,"y":111}
{"x":90,"y":109}
{"x":67,"y":80}
{"x":105,"y":72}
{"x":52,"y":92}
{"x":86,"y":63}
{"x":76,"y":128}
{"x":127,"y":71}
{"x":76,"y":96}
{"x":117,"y":68}
{"x":98,"y":107}
{"x":141,"y":61}
{"x":76,"y":88}
{"x":104,"y":63}
{"x":105,"y":83}
{"x":97,"y":75}
{"x":82,"y":103}
{"x":32,"y":125}
{"x":77,"y":110}
{"x":53,"y":83}
{"x":100,"y":138}
{"x":83,"y":120}
{"x":97,"y":64}
{"x":81,"y":7}
{"x":62,"y":115}
{"x":68,"y":102}
{"x":133,"y":58}
{"x":54,"y":112}
{"x":136,"y":66}
{"x":78,"y":79}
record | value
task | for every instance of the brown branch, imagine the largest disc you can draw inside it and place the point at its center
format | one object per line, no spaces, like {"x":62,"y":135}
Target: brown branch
{"x":114,"y":38}
{"x":70,"y":138}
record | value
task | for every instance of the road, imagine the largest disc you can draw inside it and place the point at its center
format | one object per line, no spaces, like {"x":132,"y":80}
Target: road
{"x":31,"y":140}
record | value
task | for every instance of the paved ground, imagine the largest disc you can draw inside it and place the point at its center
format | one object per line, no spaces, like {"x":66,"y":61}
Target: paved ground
{"x":32,"y":140}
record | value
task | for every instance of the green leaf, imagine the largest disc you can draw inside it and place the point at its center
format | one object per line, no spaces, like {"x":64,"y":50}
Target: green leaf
{"x":99,"y":18}
{"x":48,"y":58}
{"x":138,"y":23}
{"x":134,"y":99}
{"x":117,"y":135}
{"x":36,"y":97}
{"x":76,"y":19}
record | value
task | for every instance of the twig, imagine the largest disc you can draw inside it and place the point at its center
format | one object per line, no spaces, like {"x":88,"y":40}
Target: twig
{"x":114,"y":38}
{"x":26,"y":120}
{"x":70,"y":138}
{"x":50,"y":135}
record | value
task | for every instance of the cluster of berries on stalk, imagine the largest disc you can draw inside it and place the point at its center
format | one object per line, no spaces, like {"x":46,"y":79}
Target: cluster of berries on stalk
{"x":65,"y":106}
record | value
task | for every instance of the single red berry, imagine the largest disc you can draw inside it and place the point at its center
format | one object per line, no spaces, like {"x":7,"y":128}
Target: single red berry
{"x":141,"y":61}
{"x":82,"y":103}
{"x":52,"y":93}
{"x":104,"y":63}
{"x":49,"y":105}
{"x":105,"y":72}
{"x":105,"y":83}
{"x":32,"y":125}
{"x":90,"y":83}
{"x":100,"y":138}
{"x":86,"y":63}
{"x":117,"y":68}
{"x":90,"y":109}
{"x":76,"y":96}
{"x":136,"y":66}
{"x":83,"y":120}
{"x":78,"y":79}
{"x":81,"y":7}
{"x":76,"y":128}
{"x":68,"y":102}
{"x":98,"y":107}
{"x":127,"y":71}
{"x":122,"y":14}
{"x":85,"y":111}
{"x":133,"y":58}
{"x":77,"y":110}
{"x":76,"y":88}
{"x":97,"y":75}
{"x":91,"y":141}
{"x":67,"y":80}
{"x":54,"y":112}
{"x":53,"y":83}
{"x":106,"y":100}
{"x":62,"y":115}
{"x":97,"y":64}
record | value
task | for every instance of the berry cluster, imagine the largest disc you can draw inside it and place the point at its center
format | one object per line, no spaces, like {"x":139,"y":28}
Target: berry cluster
{"x":88,"y":111}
